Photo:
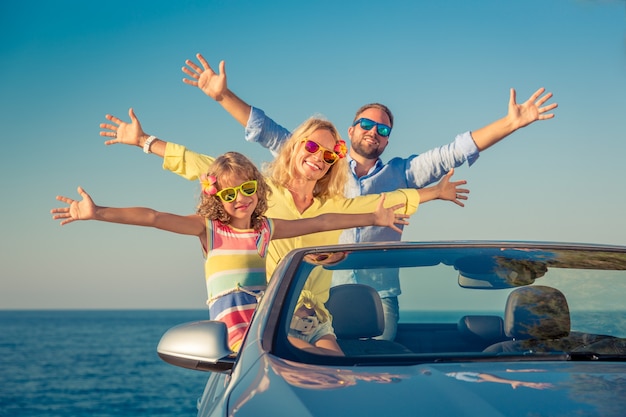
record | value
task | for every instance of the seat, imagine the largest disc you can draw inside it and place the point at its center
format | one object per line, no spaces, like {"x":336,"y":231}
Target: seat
{"x":357,"y":319}
{"x":536,"y":318}
{"x":481,"y":331}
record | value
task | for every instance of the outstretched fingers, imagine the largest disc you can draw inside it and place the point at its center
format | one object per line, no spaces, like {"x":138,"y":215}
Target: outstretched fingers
{"x":113,"y":119}
{"x":75,"y":210}
{"x":110,"y":130}
{"x":543,"y":99}
{"x":512,"y":98}
{"x":194,"y":71}
{"x":107,"y":126}
{"x":454,"y":190}
{"x":82,"y":192}
{"x":461,"y":193}
{"x":542,"y":111}
{"x":195,"y":74}
{"x":64,"y":199}
{"x":63,"y":213}
{"x":536,"y":94}
{"x":119,"y":131}
{"x":538,"y":99}
{"x":203,"y":61}
{"x":399,"y":218}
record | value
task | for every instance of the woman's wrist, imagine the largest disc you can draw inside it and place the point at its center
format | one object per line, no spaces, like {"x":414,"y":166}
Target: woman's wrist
{"x":142,"y":140}
{"x":148,"y":143}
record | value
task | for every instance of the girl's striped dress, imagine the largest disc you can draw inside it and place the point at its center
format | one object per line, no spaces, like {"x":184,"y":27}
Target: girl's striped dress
{"x":235,"y":274}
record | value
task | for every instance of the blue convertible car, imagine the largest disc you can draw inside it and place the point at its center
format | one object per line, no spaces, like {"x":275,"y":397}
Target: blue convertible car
{"x":486,"y":328}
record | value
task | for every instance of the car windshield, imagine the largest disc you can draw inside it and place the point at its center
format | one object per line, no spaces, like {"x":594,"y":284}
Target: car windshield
{"x":472,"y":302}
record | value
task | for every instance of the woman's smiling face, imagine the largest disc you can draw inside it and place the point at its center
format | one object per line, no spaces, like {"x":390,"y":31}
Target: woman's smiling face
{"x":312,"y":166}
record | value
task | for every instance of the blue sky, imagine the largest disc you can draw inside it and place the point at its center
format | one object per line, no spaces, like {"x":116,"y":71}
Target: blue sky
{"x":442,"y":67}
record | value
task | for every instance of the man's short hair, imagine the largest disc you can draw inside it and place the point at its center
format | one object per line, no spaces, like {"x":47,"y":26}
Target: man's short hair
{"x":374,"y":106}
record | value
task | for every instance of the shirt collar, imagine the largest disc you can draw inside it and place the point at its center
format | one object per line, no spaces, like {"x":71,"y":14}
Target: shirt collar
{"x":377,"y":166}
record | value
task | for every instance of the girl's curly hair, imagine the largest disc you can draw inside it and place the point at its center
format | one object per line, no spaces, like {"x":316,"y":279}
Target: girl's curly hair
{"x":228,"y":166}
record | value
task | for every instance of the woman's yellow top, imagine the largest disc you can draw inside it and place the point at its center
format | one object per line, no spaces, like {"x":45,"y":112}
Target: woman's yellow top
{"x":191,"y":165}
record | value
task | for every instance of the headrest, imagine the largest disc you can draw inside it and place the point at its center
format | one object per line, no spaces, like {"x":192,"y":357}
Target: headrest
{"x":357,"y":311}
{"x":536,"y":312}
{"x":488,"y":328}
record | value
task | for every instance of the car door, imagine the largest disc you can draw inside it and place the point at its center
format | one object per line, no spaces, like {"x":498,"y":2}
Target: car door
{"x":212,"y":402}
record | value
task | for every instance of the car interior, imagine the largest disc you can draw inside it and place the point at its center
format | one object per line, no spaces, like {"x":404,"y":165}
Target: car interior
{"x":486,"y":302}
{"x":536,"y":318}
{"x":357,"y":319}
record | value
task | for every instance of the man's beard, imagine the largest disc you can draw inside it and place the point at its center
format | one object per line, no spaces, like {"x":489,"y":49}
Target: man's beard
{"x":374,"y":153}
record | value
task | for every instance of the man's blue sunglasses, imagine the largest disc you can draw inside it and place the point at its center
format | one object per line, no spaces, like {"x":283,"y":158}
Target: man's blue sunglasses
{"x":367,"y":124}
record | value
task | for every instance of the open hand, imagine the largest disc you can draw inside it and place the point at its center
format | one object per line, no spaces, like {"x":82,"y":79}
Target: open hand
{"x":122,"y":132}
{"x":76,"y":210}
{"x":388,"y":217}
{"x":531,"y":110}
{"x":211,"y":83}
{"x":451,"y":191}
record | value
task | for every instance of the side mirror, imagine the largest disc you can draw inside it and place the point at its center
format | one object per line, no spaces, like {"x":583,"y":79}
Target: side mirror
{"x":200,"y":345}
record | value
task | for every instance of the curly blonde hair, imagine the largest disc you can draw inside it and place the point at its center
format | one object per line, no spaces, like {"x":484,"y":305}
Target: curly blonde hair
{"x":282,"y":170}
{"x":225,"y":167}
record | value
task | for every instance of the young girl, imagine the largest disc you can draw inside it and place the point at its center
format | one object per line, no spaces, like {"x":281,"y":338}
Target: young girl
{"x":233,"y":231}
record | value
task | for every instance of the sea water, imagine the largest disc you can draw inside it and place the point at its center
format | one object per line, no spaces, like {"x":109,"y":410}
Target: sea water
{"x":100,"y":363}
{"x":93,"y":363}
{"x":104,"y":363}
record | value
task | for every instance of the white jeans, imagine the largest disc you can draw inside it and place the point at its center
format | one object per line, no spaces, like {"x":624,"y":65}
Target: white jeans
{"x":392,"y":314}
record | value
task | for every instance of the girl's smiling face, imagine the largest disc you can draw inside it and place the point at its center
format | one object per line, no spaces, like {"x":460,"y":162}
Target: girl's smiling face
{"x":241,"y":208}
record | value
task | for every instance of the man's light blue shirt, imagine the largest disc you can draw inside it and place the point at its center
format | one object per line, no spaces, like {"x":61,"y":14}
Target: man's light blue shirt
{"x":416,"y":171}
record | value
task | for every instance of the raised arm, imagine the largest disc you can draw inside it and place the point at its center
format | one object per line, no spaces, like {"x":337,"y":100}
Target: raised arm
{"x":118,"y":131}
{"x":519,"y":115}
{"x":215,"y":86}
{"x":259,"y":128}
{"x":176,"y":158}
{"x":432,"y":165}
{"x":335,"y":221}
{"x":445,"y":190}
{"x":86,"y":209}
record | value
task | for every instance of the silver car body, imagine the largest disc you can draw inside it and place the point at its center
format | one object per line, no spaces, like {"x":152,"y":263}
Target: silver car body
{"x":486,"y":329}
